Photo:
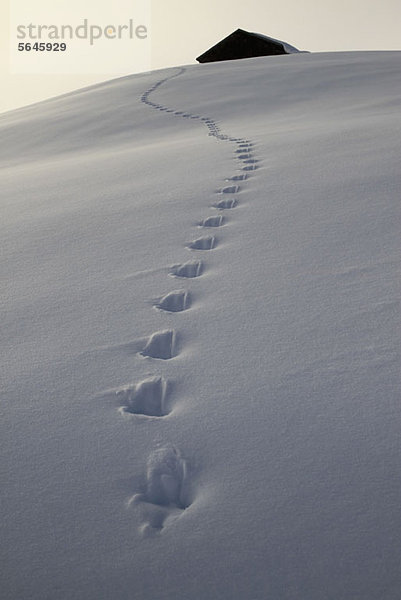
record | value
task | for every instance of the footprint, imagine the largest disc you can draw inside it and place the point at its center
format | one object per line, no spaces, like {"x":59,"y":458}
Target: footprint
{"x":166,"y":475}
{"x":251,"y":161}
{"x":250,"y":168}
{"x":165,"y":495}
{"x":216,"y":221}
{"x":231,"y":189}
{"x":175,"y":301}
{"x":190,"y":269}
{"x":238,"y":177}
{"x":226,"y":204}
{"x":145,"y":398}
{"x":160,"y":345}
{"x":244,"y":156}
{"x":203,"y":243}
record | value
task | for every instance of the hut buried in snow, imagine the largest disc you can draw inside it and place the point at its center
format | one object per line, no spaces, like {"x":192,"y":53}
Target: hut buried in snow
{"x":244,"y":44}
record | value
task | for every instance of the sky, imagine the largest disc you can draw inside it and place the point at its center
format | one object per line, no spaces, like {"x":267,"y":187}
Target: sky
{"x":181,"y":31}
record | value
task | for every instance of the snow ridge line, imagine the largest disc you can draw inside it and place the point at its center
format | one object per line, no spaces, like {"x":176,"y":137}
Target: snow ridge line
{"x":166,"y":493}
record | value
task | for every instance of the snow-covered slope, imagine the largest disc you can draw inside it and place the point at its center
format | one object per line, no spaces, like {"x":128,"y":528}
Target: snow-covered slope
{"x":200,"y":394}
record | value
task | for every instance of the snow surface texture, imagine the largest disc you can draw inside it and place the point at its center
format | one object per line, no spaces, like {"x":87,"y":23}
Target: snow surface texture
{"x":200,"y":392}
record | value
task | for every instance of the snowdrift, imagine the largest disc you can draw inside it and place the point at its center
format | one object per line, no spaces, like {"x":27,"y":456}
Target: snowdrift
{"x":200,"y":305}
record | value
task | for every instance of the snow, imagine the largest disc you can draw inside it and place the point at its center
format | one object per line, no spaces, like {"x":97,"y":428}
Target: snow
{"x":200,"y":389}
{"x":287,"y":47}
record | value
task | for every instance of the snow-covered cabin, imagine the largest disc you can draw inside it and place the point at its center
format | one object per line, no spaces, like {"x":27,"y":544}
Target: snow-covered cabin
{"x":244,"y":44}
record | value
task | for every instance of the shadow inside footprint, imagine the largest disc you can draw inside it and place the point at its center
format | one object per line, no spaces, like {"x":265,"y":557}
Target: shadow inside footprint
{"x":226,"y":204}
{"x":145,"y":398}
{"x":238,"y":177}
{"x":175,"y":301}
{"x":215,"y":221}
{"x":230,"y":189}
{"x":160,"y":345}
{"x":203,"y":243}
{"x":190,"y":269}
{"x":166,"y":479}
{"x":165,"y":494}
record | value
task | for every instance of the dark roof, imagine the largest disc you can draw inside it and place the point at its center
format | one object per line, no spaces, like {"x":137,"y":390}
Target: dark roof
{"x":244,"y":44}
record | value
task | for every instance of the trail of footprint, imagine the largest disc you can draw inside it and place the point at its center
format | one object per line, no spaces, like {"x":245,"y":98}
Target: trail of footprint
{"x":175,"y":301}
{"x":161,"y":345}
{"x":165,"y":494}
{"x":190,"y":269}
{"x":212,"y":125}
{"x":148,"y":397}
{"x":203,"y":243}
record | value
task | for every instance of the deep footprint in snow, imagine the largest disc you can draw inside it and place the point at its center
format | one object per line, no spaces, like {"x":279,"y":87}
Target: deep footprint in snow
{"x":190,"y":269}
{"x":238,"y":177}
{"x":165,"y":495}
{"x":230,"y":189}
{"x":175,"y":301}
{"x":215,"y":221}
{"x":250,"y":168}
{"x":226,"y":204}
{"x":203,"y":243}
{"x":251,"y":161}
{"x":165,"y":478}
{"x":160,"y":345}
{"x":145,"y":398}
